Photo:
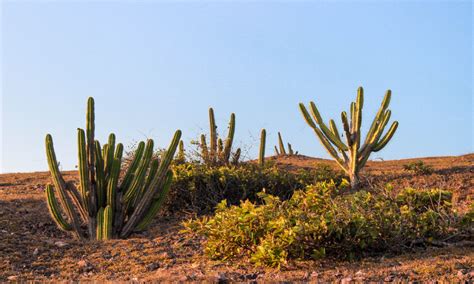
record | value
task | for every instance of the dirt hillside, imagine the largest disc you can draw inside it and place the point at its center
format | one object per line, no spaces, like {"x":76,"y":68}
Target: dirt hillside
{"x":32,"y":247}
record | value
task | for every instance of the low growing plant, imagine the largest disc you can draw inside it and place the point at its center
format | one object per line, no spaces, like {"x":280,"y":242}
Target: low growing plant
{"x":319,"y":222}
{"x":418,"y":168}
{"x":198,"y":188}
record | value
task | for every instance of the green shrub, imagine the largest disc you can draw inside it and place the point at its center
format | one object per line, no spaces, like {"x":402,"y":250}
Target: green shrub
{"x":318,"y":221}
{"x":199,"y":188}
{"x":418,"y":168}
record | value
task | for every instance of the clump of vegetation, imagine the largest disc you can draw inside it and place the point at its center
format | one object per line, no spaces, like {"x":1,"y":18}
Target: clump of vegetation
{"x":353,"y":155}
{"x":281,"y":151}
{"x":418,"y":168}
{"x":219,"y":152}
{"x":109,"y":209}
{"x":318,"y":222}
{"x":199,"y":188}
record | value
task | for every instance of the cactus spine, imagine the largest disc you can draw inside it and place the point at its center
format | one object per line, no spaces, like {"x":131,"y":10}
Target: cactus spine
{"x":352,"y":156}
{"x":261,"y":154}
{"x":219,"y":151}
{"x":108,"y":208}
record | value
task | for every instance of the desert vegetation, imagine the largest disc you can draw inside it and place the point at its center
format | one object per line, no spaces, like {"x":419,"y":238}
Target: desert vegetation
{"x":269,"y":213}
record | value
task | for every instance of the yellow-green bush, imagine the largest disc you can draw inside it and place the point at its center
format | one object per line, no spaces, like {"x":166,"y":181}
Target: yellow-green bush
{"x":199,"y":188}
{"x":318,"y":221}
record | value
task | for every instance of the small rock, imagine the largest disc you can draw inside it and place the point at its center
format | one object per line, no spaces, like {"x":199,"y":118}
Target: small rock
{"x":152,"y":266}
{"x":461,"y":273}
{"x":35,"y":252}
{"x":359,"y":273}
{"x":346,"y":280}
{"x":389,"y":278}
{"x":221,"y":278}
{"x":60,"y":244}
{"x":314,"y":274}
{"x":471,"y":274}
{"x":12,"y":278}
{"x":82,"y":263}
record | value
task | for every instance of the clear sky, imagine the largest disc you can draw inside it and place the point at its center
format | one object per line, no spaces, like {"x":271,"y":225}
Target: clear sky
{"x":154,"y":67}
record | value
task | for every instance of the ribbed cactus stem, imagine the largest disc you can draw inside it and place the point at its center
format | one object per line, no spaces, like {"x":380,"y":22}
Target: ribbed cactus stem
{"x":204,"y":149}
{"x":156,"y":185}
{"x":281,"y":145}
{"x":230,"y":138}
{"x":55,"y":211}
{"x":213,"y":136}
{"x":354,"y":155}
{"x":261,"y":154}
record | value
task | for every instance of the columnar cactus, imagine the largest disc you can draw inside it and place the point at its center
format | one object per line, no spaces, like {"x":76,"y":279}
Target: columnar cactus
{"x":219,"y":151}
{"x":107,"y":207}
{"x":181,"y":156}
{"x":353,"y":155}
{"x":261,"y":154}
{"x":281,"y":151}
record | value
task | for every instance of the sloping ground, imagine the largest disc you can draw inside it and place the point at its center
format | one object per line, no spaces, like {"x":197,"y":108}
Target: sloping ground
{"x":31,"y":247}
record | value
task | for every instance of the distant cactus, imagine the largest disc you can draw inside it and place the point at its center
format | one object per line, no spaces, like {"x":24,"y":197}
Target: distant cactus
{"x":281,"y":151}
{"x":219,"y":152}
{"x":181,"y":156}
{"x":261,"y":154}
{"x":108,"y":208}
{"x":354,"y":155}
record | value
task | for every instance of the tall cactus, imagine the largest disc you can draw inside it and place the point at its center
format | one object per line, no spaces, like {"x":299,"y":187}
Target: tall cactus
{"x":352,"y":156}
{"x":261,"y":154}
{"x":219,"y":152}
{"x":108,"y":208}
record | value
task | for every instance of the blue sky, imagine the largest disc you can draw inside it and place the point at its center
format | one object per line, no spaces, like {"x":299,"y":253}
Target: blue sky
{"x":154,"y":67}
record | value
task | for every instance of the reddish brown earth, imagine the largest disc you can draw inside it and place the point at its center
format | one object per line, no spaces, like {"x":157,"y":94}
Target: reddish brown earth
{"x":32,"y":248}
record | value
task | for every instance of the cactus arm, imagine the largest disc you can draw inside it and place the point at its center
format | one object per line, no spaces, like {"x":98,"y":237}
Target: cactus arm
{"x":83,"y":170}
{"x":139,"y":175}
{"x":156,"y":204}
{"x":276,"y":151}
{"x":90,"y":129}
{"x":329,"y":135}
{"x":290,"y":150}
{"x":220,"y":150}
{"x":127,"y":180}
{"x":347,"y":131}
{"x":107,"y":223}
{"x":261,"y":153}
{"x":75,"y":197}
{"x":109,"y":155}
{"x":54,"y":210}
{"x":327,"y":145}
{"x":307,"y":116}
{"x":387,"y":137}
{"x":157,"y":182}
{"x":230,"y":138}
{"x":236,"y":156}
{"x":181,"y":156}
{"x":204,"y":149}
{"x":114,"y":176}
{"x":100,"y":224}
{"x":60,"y":186}
{"x":281,"y":145}
{"x":213,"y":135}
{"x":100,"y":176}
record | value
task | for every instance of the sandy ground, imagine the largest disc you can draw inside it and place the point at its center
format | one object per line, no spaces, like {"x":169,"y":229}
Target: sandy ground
{"x":32,"y":248}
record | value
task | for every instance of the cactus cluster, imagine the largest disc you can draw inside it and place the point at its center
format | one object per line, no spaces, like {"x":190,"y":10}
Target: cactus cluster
{"x":352,"y":155}
{"x":281,"y":151}
{"x":219,"y":152}
{"x":107,"y":206}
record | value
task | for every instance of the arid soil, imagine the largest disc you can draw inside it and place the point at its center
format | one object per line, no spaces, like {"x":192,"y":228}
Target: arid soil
{"x":32,"y":248}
